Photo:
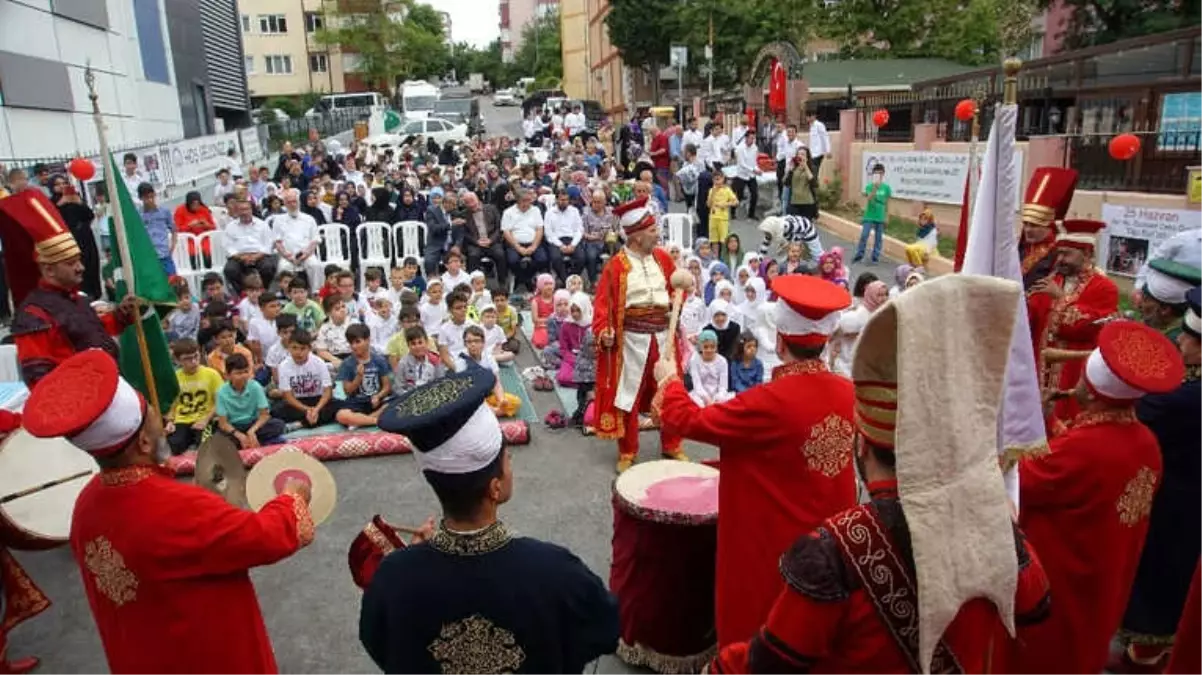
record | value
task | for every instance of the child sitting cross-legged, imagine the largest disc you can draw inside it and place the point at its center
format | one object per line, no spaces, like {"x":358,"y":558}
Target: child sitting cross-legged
{"x":746,"y":371}
{"x":242,"y":408}
{"x":474,"y":356}
{"x":709,"y":372}
{"x":194,"y":406}
{"x":398,"y":344}
{"x":262,"y":335}
{"x":305,"y":385}
{"x":419,"y":365}
{"x":184,"y":320}
{"x":225,"y":338}
{"x":331,"y":344}
{"x":494,"y":337}
{"x":366,"y":380}
{"x":307,"y":312}
{"x":382,"y":323}
{"x":375,"y":289}
{"x":285,"y":324}
{"x":508,"y":319}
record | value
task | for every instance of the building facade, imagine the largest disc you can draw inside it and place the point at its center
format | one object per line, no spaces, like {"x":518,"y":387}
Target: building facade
{"x":44,"y":48}
{"x":574,"y":43}
{"x":282,"y":56}
{"x":206,"y":48}
{"x":515,"y":16}
{"x":619,"y":89}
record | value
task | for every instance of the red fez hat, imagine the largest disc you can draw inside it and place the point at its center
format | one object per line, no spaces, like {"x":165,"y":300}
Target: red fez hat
{"x":1080,"y":234}
{"x":33,"y":232}
{"x":808,"y":310}
{"x":367,"y":551}
{"x":1133,"y":359}
{"x":86,"y":400}
{"x":1048,"y":195}
{"x":876,"y":412}
{"x":634,"y":215}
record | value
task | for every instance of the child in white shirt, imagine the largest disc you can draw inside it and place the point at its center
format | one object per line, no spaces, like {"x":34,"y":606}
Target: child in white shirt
{"x":432,"y":307}
{"x":494,"y":335}
{"x":454,"y":274}
{"x":248,"y":306}
{"x":381,"y":322}
{"x":480,"y":294}
{"x":709,"y":372}
{"x":375,"y":287}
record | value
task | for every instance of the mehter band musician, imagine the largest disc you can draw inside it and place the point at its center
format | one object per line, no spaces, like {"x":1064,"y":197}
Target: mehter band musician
{"x":1047,"y":200}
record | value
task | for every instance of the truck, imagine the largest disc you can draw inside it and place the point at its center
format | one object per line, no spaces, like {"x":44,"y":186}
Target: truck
{"x":418,"y":98}
{"x":476,"y":83}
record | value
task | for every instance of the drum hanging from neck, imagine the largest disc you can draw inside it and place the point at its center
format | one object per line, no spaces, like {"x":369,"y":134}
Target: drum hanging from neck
{"x":40,"y":479}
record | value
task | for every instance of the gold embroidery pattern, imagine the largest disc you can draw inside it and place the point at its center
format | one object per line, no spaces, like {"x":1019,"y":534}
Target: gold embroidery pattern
{"x":432,"y":397}
{"x":112,"y":577}
{"x":490,"y":539}
{"x":1125,"y":415}
{"x":23,"y":599}
{"x":829,"y":449}
{"x":1137,"y":351}
{"x":129,"y":475}
{"x":1136,"y":502}
{"x":377,"y":539}
{"x":304,"y":522}
{"x":807,"y":367}
{"x":476,"y":645}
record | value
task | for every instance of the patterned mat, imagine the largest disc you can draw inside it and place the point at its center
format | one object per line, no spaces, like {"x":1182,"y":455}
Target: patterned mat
{"x":513,"y":383}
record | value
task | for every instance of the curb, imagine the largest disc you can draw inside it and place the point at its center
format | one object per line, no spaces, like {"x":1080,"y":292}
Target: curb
{"x":892,"y":247}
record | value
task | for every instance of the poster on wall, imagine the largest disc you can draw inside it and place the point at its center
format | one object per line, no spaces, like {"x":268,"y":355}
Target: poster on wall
{"x":1180,"y":120}
{"x":198,"y":158}
{"x":931,"y":177}
{"x":1133,"y":234}
{"x":252,"y":150}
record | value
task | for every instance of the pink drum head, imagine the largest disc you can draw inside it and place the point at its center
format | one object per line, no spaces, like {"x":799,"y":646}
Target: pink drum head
{"x":670,"y":491}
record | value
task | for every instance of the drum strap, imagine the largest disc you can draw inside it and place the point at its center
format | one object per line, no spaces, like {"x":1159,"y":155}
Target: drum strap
{"x":868,"y":548}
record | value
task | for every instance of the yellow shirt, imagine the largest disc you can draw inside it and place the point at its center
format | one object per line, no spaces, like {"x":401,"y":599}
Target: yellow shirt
{"x":722,"y":199}
{"x":197,"y":394}
{"x":217,"y":358}
{"x":397,"y":345}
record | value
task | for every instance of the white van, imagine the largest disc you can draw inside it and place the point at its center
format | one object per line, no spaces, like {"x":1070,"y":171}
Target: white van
{"x":363,"y":103}
{"x":418,"y":98}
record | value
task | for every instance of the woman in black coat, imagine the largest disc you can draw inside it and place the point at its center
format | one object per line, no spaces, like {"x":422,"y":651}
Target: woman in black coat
{"x":79,"y":219}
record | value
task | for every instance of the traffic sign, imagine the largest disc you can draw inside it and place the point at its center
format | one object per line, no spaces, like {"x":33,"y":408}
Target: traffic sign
{"x":678,"y":56}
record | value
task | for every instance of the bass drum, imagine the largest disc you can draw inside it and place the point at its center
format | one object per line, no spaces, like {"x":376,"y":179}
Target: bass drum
{"x":40,"y":479}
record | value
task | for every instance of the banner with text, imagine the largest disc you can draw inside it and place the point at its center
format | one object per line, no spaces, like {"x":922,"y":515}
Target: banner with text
{"x":196,"y":158}
{"x":252,"y":149}
{"x":1133,"y":233}
{"x":932,"y":177}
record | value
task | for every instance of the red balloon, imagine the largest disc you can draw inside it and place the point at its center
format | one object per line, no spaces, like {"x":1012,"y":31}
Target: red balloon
{"x":966,"y":109}
{"x":880,"y":118}
{"x":1124,"y":146}
{"x":81,"y":168}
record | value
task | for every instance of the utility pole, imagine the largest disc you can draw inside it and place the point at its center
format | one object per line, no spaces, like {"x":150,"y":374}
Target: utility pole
{"x":709,"y":56}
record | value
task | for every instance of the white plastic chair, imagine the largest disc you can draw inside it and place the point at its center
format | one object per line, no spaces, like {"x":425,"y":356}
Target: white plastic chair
{"x":186,"y":264}
{"x":220,"y":215}
{"x":217,"y":255}
{"x":408,"y":237}
{"x":373,"y":242}
{"x":679,"y":228}
{"x":332,"y":251}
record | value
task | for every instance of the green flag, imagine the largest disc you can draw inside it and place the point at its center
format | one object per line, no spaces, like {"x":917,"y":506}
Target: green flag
{"x":151,"y":285}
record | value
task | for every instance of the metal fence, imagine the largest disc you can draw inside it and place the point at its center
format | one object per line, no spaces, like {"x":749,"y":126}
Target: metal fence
{"x":297,"y":130}
{"x":1160,"y":166}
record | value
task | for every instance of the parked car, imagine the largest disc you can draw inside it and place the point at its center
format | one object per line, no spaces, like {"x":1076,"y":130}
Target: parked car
{"x":432,"y":127}
{"x":268,"y":116}
{"x":504,"y":97}
{"x":536,"y":100}
{"x":461,"y":110}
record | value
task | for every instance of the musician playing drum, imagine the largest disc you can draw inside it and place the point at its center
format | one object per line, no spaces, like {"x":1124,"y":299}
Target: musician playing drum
{"x":160,"y":559}
{"x":20,"y":597}
{"x":54,"y":319}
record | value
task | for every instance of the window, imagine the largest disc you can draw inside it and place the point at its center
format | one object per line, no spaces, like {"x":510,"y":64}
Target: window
{"x":314,"y":22}
{"x":245,"y":23}
{"x":273,"y":23}
{"x":279,"y":64}
{"x":151,"y":42}
{"x":250,"y":65}
{"x":414,"y":127}
{"x":319,"y":63}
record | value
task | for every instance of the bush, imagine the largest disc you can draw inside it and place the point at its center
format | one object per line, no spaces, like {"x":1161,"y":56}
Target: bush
{"x":830,"y":192}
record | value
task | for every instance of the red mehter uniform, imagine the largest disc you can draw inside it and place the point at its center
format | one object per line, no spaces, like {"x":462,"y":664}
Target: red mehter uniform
{"x":1187,"y":645}
{"x":1071,"y":321}
{"x":1048,"y":195}
{"x":20,"y":598}
{"x":1085,"y":504}
{"x":631,"y":302}
{"x":786,"y":463}
{"x":162,"y":562}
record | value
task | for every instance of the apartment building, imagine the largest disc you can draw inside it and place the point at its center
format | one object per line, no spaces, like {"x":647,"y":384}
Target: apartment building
{"x":281,"y":54}
{"x":515,"y":16}
{"x":619,"y":89}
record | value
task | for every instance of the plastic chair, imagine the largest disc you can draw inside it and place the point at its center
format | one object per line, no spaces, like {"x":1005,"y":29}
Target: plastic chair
{"x":217,"y":255}
{"x":186,"y":266}
{"x":679,"y":228}
{"x":220,"y":215}
{"x":374,"y":246}
{"x":332,"y":249}
{"x":408,"y":237}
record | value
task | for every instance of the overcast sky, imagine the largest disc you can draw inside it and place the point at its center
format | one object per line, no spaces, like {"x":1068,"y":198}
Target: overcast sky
{"x":475,"y":22}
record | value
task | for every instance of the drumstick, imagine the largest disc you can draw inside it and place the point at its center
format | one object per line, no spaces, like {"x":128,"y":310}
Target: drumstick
{"x":44,"y":486}
{"x":682,"y":280}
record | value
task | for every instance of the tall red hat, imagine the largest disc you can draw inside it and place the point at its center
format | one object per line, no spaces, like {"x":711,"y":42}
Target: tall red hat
{"x":1080,"y":234}
{"x":1048,"y":195}
{"x":33,"y":232}
{"x":367,"y":551}
{"x":86,"y":400}
{"x":634,"y":215}
{"x":808,"y":310}
{"x":1133,"y":359}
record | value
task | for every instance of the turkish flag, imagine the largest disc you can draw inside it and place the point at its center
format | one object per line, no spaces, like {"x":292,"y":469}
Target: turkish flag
{"x":776,"y":87}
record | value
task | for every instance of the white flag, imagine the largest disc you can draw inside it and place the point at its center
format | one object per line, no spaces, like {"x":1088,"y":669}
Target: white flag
{"x":992,"y":250}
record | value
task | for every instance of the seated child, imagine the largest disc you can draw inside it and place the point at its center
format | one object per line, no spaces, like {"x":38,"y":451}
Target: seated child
{"x":330,"y":286}
{"x":746,"y":371}
{"x":927,"y":236}
{"x":183,"y":321}
{"x":242,"y":408}
{"x":248,"y":306}
{"x":381,"y":322}
{"x":366,"y":380}
{"x":262,"y":335}
{"x":408,"y":275}
{"x":212,"y":288}
{"x":193,"y":409}
{"x":375,"y":289}
{"x":480,"y":295}
{"x":709,"y":372}
{"x":831,"y":267}
{"x":454,"y":274}
{"x":562,"y":314}
{"x":419,"y":366}
{"x":280,"y":285}
{"x":225,"y":338}
{"x":508,"y":319}
{"x":309,"y":315}
{"x":543,"y":307}
{"x":571,"y":337}
{"x":285,"y":324}
{"x":398,"y":345}
{"x":574,"y":284}
{"x":355,"y":309}
{"x":305,"y":384}
{"x":503,"y":404}
{"x":331,"y":344}
{"x":450,"y":333}
{"x":432,"y":307}
{"x":494,"y":337}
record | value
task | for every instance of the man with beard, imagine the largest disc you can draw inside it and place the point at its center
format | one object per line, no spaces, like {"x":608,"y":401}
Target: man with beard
{"x":159,"y":558}
{"x":1048,"y":195}
{"x":297,"y":240}
{"x":1162,"y":300}
{"x":482,"y":237}
{"x":1066,"y":310}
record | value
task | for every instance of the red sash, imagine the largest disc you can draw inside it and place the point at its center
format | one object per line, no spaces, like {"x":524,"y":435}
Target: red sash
{"x":867,"y":548}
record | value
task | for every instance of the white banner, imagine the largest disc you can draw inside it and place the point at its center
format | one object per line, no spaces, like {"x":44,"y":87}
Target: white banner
{"x":1133,"y":233}
{"x":197,"y":158}
{"x":252,"y":150}
{"x":933,"y":177}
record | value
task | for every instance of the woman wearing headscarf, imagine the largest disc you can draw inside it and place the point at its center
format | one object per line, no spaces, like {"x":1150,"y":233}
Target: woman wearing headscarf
{"x":851,"y":324}
{"x":727,"y":329}
{"x":194,"y":218}
{"x":311,"y":205}
{"x":79,"y":218}
{"x":503,"y":197}
{"x":716,"y":272}
{"x":899,"y":279}
{"x":345,"y":212}
{"x":409,"y":207}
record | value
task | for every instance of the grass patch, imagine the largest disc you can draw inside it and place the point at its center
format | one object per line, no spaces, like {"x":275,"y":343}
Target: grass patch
{"x":898,"y":228}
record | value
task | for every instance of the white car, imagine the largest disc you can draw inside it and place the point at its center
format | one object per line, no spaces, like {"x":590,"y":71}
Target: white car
{"x":432,"y":127}
{"x":504,"y":97}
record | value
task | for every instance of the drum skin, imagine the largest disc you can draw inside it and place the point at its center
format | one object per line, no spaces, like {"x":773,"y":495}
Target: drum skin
{"x":41,"y":520}
{"x":663,"y":577}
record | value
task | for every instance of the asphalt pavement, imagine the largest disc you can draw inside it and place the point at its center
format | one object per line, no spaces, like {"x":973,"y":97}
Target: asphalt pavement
{"x":562,"y":490}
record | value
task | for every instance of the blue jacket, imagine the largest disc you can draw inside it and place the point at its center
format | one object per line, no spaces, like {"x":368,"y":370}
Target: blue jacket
{"x":744,"y":377}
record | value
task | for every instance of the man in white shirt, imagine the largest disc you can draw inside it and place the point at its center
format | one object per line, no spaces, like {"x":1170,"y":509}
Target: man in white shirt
{"x":746,"y":160}
{"x":738,"y":133}
{"x":557,"y":120}
{"x":132,"y":177}
{"x":718,"y":150}
{"x":820,"y":141}
{"x":692,"y":136}
{"x":564,"y":229}
{"x":249,"y":243}
{"x":522,"y":229}
{"x":574,"y":121}
{"x":297,"y":240}
{"x":223,"y":187}
{"x":787,"y":145}
{"x":529,"y":126}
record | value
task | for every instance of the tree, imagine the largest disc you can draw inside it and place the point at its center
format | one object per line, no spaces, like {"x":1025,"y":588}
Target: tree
{"x":388,"y":47}
{"x":643,"y":30}
{"x":741,"y":29}
{"x":1096,"y":22}
{"x":541,"y":54}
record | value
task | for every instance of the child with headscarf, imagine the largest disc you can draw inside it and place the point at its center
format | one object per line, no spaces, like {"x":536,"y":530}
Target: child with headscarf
{"x":701,"y":247}
{"x":709,"y":372}
{"x":899,"y":277}
{"x":723,"y":327}
{"x":571,"y":337}
{"x":765,"y":333}
{"x":746,"y":370}
{"x":927,"y":236}
{"x":769,"y":270}
{"x":561,"y":315}
{"x":717,"y":272}
{"x":584,"y":371}
{"x":754,"y":296}
{"x":851,"y":324}
{"x":542,"y":307}
{"x":831,"y":267}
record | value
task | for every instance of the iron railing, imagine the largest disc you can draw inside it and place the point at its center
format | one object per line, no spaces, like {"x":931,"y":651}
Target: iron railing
{"x":1160,"y":166}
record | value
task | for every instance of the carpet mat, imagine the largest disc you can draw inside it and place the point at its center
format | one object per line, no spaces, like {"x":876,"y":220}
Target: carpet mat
{"x":512,"y":382}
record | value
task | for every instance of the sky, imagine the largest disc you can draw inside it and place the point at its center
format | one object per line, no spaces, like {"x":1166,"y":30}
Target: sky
{"x":475,"y":22}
